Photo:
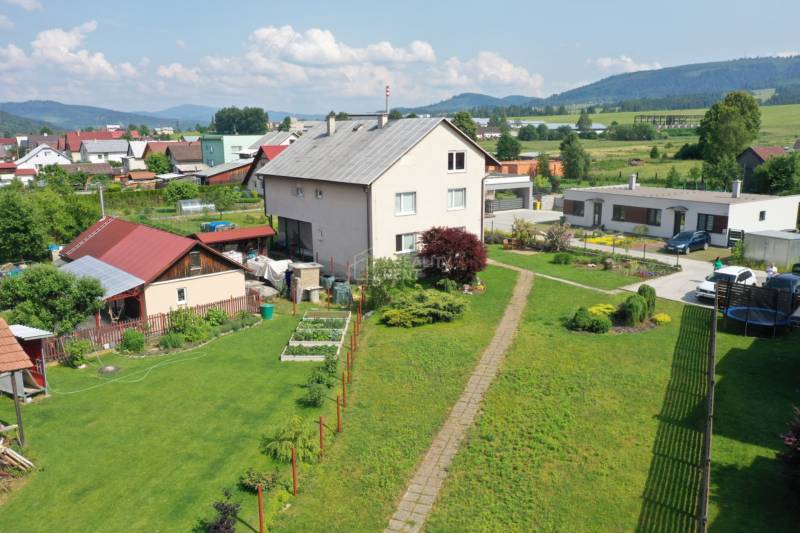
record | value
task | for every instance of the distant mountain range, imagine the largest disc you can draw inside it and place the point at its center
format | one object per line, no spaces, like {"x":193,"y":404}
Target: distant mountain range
{"x":12,"y":124}
{"x":713,"y":79}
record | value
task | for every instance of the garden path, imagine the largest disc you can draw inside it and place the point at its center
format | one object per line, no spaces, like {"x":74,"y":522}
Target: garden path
{"x":416,"y":504}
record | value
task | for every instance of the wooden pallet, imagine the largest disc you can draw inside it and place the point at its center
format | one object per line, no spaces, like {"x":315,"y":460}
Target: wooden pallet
{"x":11,"y":458}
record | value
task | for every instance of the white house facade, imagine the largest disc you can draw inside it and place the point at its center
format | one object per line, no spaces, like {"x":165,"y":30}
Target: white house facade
{"x":103,"y":151}
{"x":41,"y":156}
{"x":665,"y":212}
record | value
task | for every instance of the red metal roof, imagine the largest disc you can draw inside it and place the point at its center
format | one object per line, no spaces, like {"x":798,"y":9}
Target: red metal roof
{"x":272,"y":151}
{"x":140,"y":250}
{"x":25,"y":172}
{"x":12,"y":356}
{"x":10,"y":166}
{"x":159,"y":147}
{"x":8,"y":140}
{"x":765,"y":152}
{"x":238,"y":234}
{"x":141,"y":175}
{"x":75,"y":138}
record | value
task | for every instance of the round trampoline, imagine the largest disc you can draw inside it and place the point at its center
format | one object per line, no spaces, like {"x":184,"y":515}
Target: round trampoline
{"x":758,"y":316}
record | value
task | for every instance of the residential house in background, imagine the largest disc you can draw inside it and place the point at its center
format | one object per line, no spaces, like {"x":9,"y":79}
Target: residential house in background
{"x":8,"y":148}
{"x":164,"y":130}
{"x":70,"y":142}
{"x":370,"y":186}
{"x":488,"y":132}
{"x":666,"y":212}
{"x":35,"y":140}
{"x":134,"y":159}
{"x":146,"y":271}
{"x":265,"y":154}
{"x":273,"y":138}
{"x":156,"y":147}
{"x":226,"y":173}
{"x":41,"y":156}
{"x":9,"y":172}
{"x":186,"y":157}
{"x":218,"y":149}
{"x":528,"y":166}
{"x":104,"y":151}
{"x":93,"y":169}
{"x":752,"y":158}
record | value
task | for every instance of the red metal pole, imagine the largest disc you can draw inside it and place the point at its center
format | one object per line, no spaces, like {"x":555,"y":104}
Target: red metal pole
{"x":338,"y":414}
{"x":294,"y":471}
{"x":344,"y":390}
{"x":321,"y":437}
{"x":352,"y":343}
{"x":260,"y":510}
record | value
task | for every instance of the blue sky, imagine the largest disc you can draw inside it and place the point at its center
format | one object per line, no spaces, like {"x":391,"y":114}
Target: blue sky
{"x":313,"y":56}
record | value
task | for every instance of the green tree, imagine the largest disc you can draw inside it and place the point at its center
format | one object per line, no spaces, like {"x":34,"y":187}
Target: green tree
{"x":394,"y":114}
{"x":654,"y":152}
{"x":576,"y":160}
{"x":543,"y":131}
{"x":694,"y":175}
{"x":286,"y":124}
{"x":223,"y":197}
{"x":22,"y":237}
{"x":543,"y":165}
{"x":673,"y":178}
{"x":720,"y":174}
{"x":295,"y":433}
{"x":584,"y":122}
{"x":144,"y":130}
{"x":341,"y":115}
{"x":78,"y":180}
{"x":158,"y":163}
{"x":508,"y":148}
{"x":412,"y":115}
{"x":246,"y":121}
{"x":181,"y":190}
{"x":499,"y":121}
{"x":463,"y":121}
{"x":778,"y":175}
{"x":729,"y":126}
{"x":45,"y":130}
{"x":56,"y":178}
{"x":45,"y":297}
{"x":528,"y":133}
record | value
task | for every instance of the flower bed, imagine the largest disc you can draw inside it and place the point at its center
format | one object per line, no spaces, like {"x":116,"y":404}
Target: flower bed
{"x":318,"y":334}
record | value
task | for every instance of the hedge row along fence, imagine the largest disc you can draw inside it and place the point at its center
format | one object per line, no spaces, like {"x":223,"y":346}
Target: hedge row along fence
{"x":152,"y":326}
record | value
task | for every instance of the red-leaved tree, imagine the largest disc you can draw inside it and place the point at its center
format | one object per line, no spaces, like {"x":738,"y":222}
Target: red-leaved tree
{"x":452,"y":253}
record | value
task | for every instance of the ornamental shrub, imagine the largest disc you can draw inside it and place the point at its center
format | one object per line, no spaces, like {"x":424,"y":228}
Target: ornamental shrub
{"x":331,"y":364}
{"x":649,"y":294}
{"x":447,"y":285}
{"x":562,"y":258}
{"x":452,"y":253}
{"x":132,"y":341}
{"x":216,"y":317}
{"x":76,"y":351}
{"x":315,"y":395}
{"x":633,"y":310}
{"x":320,"y":376}
{"x":251,"y":479}
{"x":661,"y":319}
{"x":386,"y":276}
{"x":557,"y":237}
{"x":171,"y":341}
{"x":189,"y":323}
{"x":583,"y":320}
{"x":602,"y":310}
{"x":417,"y":307}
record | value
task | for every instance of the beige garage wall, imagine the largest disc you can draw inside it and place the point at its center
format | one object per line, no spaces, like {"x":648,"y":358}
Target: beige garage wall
{"x":163,"y":297}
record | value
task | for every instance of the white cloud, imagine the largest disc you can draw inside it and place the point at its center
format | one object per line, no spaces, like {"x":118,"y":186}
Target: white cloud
{"x":63,"y":48}
{"x":178,"y":72}
{"x":12,"y":58}
{"x":27,"y":5}
{"x":488,"y":71}
{"x":620,"y":64}
{"x":6,"y":23}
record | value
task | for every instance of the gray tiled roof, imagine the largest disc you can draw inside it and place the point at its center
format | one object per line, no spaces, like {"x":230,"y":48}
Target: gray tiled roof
{"x":358,"y":152}
{"x":272,"y":138}
{"x":106,"y":146}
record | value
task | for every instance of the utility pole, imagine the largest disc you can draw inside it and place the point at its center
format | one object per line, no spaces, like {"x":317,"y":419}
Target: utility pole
{"x":102,"y":203}
{"x":388,"y":92}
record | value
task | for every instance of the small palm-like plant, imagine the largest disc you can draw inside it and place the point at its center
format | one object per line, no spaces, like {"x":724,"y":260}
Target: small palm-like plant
{"x":295,"y":432}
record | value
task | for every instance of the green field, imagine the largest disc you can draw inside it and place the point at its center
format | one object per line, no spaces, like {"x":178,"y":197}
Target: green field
{"x":585,"y":432}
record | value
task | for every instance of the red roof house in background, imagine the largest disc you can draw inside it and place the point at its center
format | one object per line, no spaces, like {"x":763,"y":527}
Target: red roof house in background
{"x":753,"y":157}
{"x":265,"y":154}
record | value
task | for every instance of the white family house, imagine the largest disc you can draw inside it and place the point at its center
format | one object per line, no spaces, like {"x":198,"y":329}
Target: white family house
{"x":42,"y":156}
{"x":104,"y":150}
{"x":371,"y":186}
{"x":666,"y":212}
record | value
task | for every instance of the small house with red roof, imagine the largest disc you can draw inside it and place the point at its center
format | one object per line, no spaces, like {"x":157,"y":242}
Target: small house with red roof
{"x":265,"y":154}
{"x":146,"y":271}
{"x":72,"y":140}
{"x":752,"y":158}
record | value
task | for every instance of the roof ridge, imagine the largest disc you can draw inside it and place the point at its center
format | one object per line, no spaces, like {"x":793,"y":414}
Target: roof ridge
{"x":105,"y":222}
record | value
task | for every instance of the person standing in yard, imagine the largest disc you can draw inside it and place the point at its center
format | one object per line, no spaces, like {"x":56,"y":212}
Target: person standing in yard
{"x":772,"y":270}
{"x":717,"y":263}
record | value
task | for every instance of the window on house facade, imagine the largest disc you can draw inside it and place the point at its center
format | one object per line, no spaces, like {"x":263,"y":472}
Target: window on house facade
{"x":298,"y":191}
{"x":576,"y":208}
{"x":181,"y":295}
{"x":456,"y":161}
{"x":618,"y":213}
{"x":762,"y":215}
{"x":456,"y":198}
{"x":318,"y":194}
{"x":405,"y":243}
{"x":194,"y":261}
{"x":654,"y":217}
{"x":99,"y":156}
{"x":705,"y":222}
{"x":405,"y":203}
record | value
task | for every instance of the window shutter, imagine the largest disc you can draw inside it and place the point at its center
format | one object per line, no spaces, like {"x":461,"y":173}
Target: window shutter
{"x":568,"y":207}
{"x":398,"y":243}
{"x":720,"y":224}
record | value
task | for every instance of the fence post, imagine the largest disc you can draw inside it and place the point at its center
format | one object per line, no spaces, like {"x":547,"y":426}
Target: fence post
{"x":294,"y":471}
{"x":321,"y":437}
{"x":260,"y":510}
{"x":349,"y":366}
{"x":338,"y":414}
{"x":344,"y":390}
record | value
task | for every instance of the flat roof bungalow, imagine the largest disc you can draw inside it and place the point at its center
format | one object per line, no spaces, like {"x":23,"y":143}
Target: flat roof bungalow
{"x":666,"y":212}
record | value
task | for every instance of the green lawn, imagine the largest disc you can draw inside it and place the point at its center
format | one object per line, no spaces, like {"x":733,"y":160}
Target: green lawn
{"x":184,"y":225}
{"x":153,"y":450}
{"x":404,"y":384}
{"x":542,"y":262}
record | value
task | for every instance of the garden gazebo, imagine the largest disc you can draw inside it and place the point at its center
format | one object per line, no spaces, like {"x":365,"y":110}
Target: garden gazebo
{"x":13,"y":359}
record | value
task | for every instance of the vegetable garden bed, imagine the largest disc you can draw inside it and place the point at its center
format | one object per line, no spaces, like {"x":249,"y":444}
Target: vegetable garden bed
{"x":318,"y":334}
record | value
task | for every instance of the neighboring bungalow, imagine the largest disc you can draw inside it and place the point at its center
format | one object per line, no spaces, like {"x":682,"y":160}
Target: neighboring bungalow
{"x":92,"y":169}
{"x":156,"y":147}
{"x":186,"y":157}
{"x":219,"y":149}
{"x":752,"y":158}
{"x":190,"y":138}
{"x":134,"y":159}
{"x":9,"y":172}
{"x":7,"y":169}
{"x":250,"y":242}
{"x":273,"y":138}
{"x":25,"y":175}
{"x":368,"y":186}
{"x":8,"y":148}
{"x":527,"y":166}
{"x":140,"y":179}
{"x":233,"y":172}
{"x":264,"y":155}
{"x":42,"y":156}
{"x":37,"y":140}
{"x":70,"y":143}
{"x":103,"y":151}
{"x":666,"y":212}
{"x":145,"y":271}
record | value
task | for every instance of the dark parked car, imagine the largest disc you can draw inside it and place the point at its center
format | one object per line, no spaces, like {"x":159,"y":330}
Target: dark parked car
{"x":784,"y":282}
{"x":796,"y":269}
{"x":688,"y":241}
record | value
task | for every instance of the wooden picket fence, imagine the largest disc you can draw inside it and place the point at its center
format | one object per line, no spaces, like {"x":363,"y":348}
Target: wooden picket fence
{"x":152,"y":326}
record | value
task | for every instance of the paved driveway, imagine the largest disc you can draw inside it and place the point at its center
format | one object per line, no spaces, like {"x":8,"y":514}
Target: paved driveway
{"x":504,"y":219}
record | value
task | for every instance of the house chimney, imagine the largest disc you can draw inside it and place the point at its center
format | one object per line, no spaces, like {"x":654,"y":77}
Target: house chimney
{"x":383,"y":119}
{"x":632,"y":181}
{"x":736,"y":188}
{"x":331,"y":124}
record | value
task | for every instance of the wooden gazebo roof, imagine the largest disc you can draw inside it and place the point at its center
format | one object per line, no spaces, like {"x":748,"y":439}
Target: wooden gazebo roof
{"x":12,"y":356}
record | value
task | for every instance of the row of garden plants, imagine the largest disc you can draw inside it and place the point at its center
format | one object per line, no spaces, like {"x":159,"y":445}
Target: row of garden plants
{"x":636,"y":312}
{"x":316,"y":337}
{"x":186,"y":329}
